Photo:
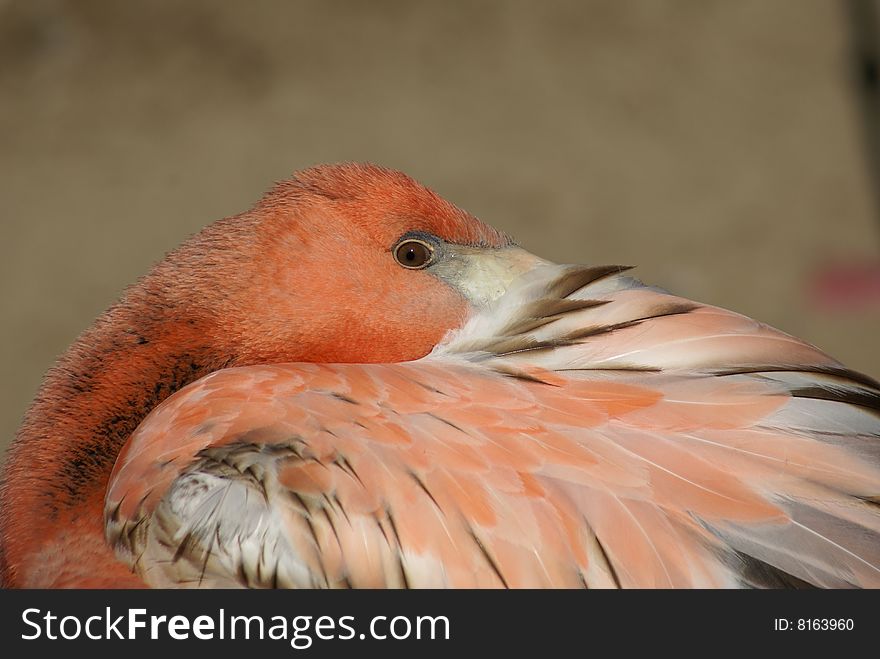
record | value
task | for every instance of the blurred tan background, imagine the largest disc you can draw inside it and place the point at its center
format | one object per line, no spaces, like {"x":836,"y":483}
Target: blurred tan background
{"x":717,"y":144}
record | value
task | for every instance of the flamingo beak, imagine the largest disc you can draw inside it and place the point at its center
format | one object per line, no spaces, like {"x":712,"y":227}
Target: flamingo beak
{"x":481,"y":274}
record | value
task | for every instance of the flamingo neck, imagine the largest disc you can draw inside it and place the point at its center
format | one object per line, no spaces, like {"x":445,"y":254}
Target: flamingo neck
{"x":56,"y":473}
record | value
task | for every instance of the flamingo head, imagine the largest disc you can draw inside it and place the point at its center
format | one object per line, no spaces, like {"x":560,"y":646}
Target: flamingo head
{"x":343,"y":263}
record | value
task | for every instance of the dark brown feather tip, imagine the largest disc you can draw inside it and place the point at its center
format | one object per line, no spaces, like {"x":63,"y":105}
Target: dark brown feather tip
{"x":576,"y":277}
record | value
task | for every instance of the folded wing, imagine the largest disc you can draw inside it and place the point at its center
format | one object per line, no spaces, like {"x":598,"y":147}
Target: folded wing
{"x":585,"y":431}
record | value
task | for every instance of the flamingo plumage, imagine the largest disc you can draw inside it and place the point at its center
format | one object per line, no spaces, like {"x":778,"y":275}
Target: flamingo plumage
{"x":356,"y":384}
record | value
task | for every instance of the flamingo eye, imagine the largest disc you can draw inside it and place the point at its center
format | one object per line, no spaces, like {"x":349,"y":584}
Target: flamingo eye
{"x":414,"y":254}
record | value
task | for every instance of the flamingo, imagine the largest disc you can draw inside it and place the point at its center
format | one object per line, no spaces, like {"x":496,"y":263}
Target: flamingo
{"x":357,"y":384}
